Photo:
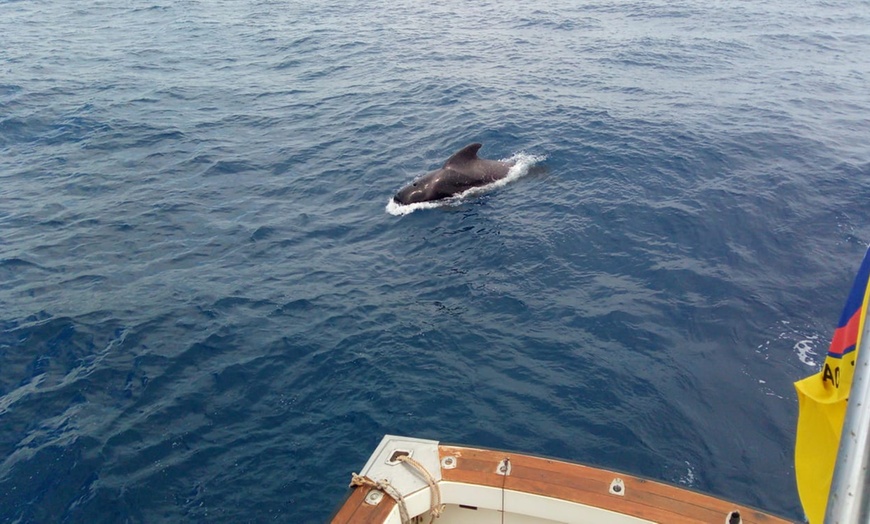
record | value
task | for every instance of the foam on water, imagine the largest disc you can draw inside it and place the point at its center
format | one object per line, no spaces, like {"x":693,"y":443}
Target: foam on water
{"x":522,"y":163}
{"x":806,"y":351}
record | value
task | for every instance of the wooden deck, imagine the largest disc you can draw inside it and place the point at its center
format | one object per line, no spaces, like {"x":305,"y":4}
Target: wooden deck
{"x":642,"y":498}
{"x":639,"y":498}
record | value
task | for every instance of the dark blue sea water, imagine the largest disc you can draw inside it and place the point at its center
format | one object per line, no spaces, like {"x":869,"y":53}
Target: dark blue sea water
{"x":208,"y":315}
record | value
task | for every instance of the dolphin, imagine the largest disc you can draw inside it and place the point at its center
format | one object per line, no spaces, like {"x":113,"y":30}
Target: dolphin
{"x":461,"y":172}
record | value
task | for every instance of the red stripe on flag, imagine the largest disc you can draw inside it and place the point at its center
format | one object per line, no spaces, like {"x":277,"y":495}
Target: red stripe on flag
{"x":845,"y":337}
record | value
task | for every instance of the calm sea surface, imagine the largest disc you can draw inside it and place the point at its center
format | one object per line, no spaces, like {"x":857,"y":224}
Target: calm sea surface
{"x":208,"y":315}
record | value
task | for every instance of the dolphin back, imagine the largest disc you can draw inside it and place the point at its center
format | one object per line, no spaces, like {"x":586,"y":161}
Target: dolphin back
{"x":463,"y":156}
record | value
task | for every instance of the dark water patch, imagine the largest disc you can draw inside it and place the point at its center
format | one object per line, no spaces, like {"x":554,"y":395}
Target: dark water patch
{"x":263,"y":233}
{"x":56,"y":475}
{"x":9,"y":91}
{"x":228,"y":167}
{"x":23,"y":130}
{"x":14,"y":265}
{"x":143,"y":136}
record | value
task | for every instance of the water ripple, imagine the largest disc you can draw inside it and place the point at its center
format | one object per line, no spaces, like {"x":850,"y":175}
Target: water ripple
{"x":208,"y":316}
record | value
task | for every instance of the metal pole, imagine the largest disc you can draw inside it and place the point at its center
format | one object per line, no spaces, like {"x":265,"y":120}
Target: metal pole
{"x":849,"y":497}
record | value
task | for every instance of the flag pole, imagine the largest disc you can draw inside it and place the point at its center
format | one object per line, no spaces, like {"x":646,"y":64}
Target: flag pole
{"x":849,"y":497}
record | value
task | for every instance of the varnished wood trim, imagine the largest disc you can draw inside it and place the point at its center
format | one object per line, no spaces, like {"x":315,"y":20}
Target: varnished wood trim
{"x":643,"y":498}
{"x":355,"y":510}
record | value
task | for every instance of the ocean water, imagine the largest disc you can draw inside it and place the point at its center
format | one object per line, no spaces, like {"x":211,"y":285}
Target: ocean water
{"x":208,"y":313}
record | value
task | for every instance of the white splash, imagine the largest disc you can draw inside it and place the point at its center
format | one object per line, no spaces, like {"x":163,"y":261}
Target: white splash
{"x":689,"y":478}
{"x":805,"y":350}
{"x":522,"y":163}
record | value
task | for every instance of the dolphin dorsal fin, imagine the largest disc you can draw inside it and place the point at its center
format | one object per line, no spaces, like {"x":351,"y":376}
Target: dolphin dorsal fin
{"x":464,"y":155}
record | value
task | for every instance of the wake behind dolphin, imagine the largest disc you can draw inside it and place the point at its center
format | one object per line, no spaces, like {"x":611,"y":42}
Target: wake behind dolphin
{"x":463,"y":174}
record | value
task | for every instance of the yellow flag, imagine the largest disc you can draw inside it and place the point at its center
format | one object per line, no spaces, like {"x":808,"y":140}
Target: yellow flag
{"x":822,"y":403}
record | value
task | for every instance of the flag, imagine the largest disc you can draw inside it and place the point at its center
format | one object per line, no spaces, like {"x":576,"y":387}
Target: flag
{"x":822,"y":403}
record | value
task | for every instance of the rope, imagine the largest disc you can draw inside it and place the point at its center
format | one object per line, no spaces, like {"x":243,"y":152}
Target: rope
{"x":435,"y":506}
{"x":386,"y":487}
